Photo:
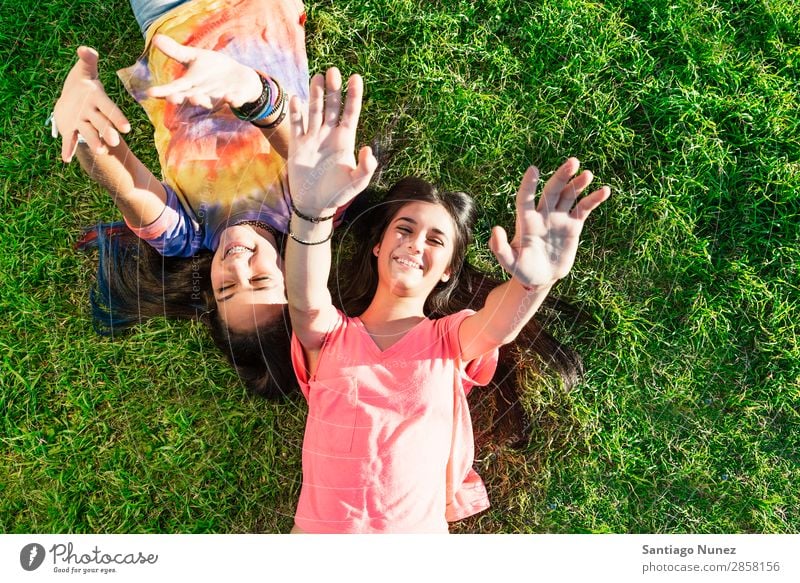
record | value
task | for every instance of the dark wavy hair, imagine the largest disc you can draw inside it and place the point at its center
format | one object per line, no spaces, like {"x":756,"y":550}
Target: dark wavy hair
{"x":136,"y":283}
{"x":534,"y":351}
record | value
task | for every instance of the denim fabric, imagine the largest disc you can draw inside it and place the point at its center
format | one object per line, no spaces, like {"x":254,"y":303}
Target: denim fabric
{"x":147,"y":11}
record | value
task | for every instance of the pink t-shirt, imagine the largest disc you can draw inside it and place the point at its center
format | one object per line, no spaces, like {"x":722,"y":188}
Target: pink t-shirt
{"x":388,"y":445}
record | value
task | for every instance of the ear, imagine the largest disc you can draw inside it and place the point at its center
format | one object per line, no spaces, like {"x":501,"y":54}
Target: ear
{"x":376,"y":249}
{"x":446,"y":276}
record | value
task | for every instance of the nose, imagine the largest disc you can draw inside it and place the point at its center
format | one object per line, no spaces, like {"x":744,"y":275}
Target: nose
{"x":415,"y":244}
{"x":239,"y":269}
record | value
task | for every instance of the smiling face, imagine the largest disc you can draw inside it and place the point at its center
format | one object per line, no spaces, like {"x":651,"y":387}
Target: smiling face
{"x":247,"y":278}
{"x":416,"y":249}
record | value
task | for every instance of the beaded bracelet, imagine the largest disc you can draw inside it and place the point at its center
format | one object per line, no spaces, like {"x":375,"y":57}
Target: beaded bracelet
{"x":303,"y":242}
{"x":311,"y":219}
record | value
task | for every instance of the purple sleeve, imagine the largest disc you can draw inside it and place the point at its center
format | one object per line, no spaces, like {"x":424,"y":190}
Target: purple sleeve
{"x":174,"y":233}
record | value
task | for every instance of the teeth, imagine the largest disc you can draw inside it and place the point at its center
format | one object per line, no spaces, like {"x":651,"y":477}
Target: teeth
{"x":409,"y":263}
{"x":238,"y":249}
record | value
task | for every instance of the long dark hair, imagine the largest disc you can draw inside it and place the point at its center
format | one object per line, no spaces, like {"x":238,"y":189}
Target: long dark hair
{"x":535,"y":351}
{"x":135,"y":283}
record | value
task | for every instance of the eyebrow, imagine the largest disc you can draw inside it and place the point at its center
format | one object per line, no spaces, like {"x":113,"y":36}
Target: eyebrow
{"x":413,"y":222}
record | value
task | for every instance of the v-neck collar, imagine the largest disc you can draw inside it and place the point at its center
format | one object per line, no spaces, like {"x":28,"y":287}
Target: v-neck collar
{"x":384,"y":353}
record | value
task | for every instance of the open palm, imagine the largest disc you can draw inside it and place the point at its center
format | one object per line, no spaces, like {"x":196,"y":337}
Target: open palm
{"x":546,"y":235}
{"x":324,"y":173}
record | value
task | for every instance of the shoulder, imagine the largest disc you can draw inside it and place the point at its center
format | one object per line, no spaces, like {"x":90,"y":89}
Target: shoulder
{"x":450,"y":324}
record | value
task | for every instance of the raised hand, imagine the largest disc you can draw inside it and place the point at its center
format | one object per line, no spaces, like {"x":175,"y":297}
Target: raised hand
{"x":84,"y":108}
{"x":323,"y":171}
{"x":546,"y":236}
{"x":210,"y":78}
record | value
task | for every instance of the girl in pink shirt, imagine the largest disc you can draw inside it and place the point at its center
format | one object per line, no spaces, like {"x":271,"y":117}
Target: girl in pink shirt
{"x":388,"y":441}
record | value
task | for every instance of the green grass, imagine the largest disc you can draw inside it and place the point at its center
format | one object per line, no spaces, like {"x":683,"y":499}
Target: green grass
{"x":689,"y":415}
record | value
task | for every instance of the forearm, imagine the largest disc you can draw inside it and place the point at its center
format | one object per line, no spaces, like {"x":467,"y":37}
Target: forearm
{"x":136,"y":192}
{"x":307,"y":270}
{"x":279,"y":138}
{"x":508,"y":308}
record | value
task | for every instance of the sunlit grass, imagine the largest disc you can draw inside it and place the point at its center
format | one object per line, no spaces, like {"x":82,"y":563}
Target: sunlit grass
{"x":689,"y":415}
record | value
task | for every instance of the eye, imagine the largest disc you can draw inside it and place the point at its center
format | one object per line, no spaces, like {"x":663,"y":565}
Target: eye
{"x":437,"y":242}
{"x":404,"y":229}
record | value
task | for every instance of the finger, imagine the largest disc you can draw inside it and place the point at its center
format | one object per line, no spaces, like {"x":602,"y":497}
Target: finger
{"x":316,"y":102}
{"x":352,"y":105}
{"x":201,"y":100}
{"x":590,"y":202}
{"x":114,"y":114}
{"x":87,"y":58}
{"x":498,"y":243}
{"x":556,"y":183}
{"x":573,"y":188}
{"x":68,"y":145}
{"x":105,"y":131}
{"x":333,"y":96}
{"x":296,"y":129}
{"x":526,"y":194}
{"x":92,"y":137}
{"x":174,"y":50}
{"x":176,"y":98}
{"x":177,"y":87}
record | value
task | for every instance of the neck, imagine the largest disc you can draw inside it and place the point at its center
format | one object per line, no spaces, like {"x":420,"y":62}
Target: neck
{"x":387,"y":307}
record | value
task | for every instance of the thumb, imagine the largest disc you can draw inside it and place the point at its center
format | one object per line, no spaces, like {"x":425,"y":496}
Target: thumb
{"x":498,"y":243}
{"x":87,"y":60}
{"x":174,"y":49}
{"x":362,"y":174}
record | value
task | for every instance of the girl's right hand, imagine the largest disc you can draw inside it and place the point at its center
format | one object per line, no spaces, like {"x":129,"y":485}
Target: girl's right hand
{"x":323,"y":171}
{"x":84,"y":108}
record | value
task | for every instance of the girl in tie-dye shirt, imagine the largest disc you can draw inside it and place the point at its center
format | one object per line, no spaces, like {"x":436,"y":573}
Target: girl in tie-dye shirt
{"x":214,"y":221}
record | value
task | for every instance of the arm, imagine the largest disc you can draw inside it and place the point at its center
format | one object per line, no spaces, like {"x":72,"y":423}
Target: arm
{"x":84,"y":108}
{"x":137,"y":193}
{"x":542,"y":252}
{"x":323,"y":175}
{"x":212,"y":78}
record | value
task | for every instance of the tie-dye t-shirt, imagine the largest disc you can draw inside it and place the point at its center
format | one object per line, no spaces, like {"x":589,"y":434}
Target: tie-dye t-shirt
{"x":220,"y":169}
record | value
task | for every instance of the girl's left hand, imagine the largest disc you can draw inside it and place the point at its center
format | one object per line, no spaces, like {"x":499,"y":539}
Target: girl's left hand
{"x":546,"y":236}
{"x":210,"y":78}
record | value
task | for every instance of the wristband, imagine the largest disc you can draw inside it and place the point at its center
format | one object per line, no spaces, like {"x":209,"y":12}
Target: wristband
{"x":311,"y":219}
{"x":280,"y":105}
{"x":303,"y":242}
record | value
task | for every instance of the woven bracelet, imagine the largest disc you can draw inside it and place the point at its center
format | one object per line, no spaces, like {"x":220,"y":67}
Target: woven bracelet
{"x":311,"y":219}
{"x":303,"y":242}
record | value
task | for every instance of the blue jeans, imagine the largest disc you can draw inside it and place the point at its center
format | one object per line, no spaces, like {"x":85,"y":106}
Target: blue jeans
{"x":147,"y":11}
